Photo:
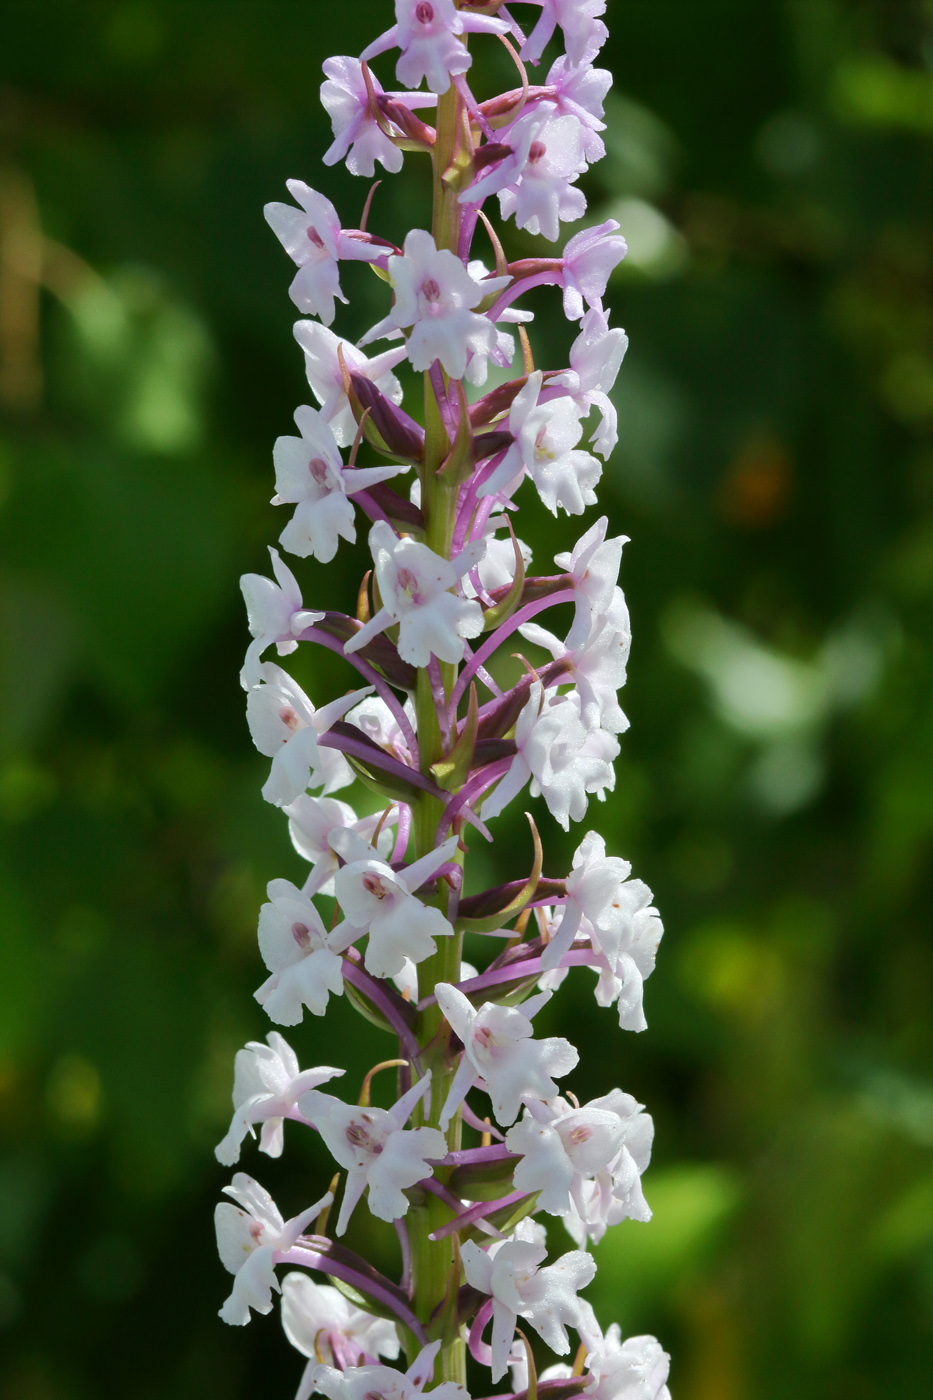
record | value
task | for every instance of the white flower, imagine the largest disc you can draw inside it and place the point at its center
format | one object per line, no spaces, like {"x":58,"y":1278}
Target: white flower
{"x":322,"y":366}
{"x":593,"y":566}
{"x":500,"y":1054}
{"x":589,"y":259}
{"x":595,"y":360}
{"x":248,"y":1240}
{"x":317,"y":1318}
{"x":362,"y":1382}
{"x":414,"y":584}
{"x":546,"y":436}
{"x":434,"y":294}
{"x":636,"y":1369}
{"x":381,"y":901}
{"x":547,"y":158}
{"x":584,"y":33}
{"x":297,"y":950}
{"x":285,"y":726}
{"x":563,"y":1147}
{"x":615,"y":1192}
{"x":597,"y":668}
{"x":428,"y":36}
{"x":546,"y":1298}
{"x":357,"y":134}
{"x":378,"y":723}
{"x":312,"y":237}
{"x":595,"y":902}
{"x":504,"y":352}
{"x":313,"y":820}
{"x":427,"y":32}
{"x":581,"y":91}
{"x":614,"y":912}
{"x":266,"y":1086}
{"x":630,"y":950}
{"x":565,"y":760}
{"x":310,"y":473}
{"x":375,"y":1148}
{"x":274,"y":614}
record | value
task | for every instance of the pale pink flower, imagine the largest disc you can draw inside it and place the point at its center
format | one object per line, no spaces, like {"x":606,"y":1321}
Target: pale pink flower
{"x":595,"y":360}
{"x":428,"y":34}
{"x":312,"y":821}
{"x":299,"y":952}
{"x":285,"y":726}
{"x":322,"y":366}
{"x":636,"y":1369}
{"x":565,"y":1148}
{"x":381,"y":901}
{"x":357,"y":134}
{"x":416,"y":585}
{"x":375,"y":1148}
{"x":597,"y":667}
{"x":501,"y":1055}
{"x":318,"y":1319}
{"x":310,"y":474}
{"x":249,"y":1236}
{"x":579,"y":92}
{"x":563,"y":760}
{"x":593,"y":565}
{"x":434,"y":297}
{"x":584,"y":33}
{"x":544,"y":1297}
{"x":312,"y":238}
{"x":548,"y":157}
{"x":545,"y":445}
{"x":589,"y":259}
{"x":267,"y":1084}
{"x":275,"y":614}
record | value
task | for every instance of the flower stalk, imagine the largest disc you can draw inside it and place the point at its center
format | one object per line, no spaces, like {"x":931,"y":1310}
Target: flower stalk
{"x":480,"y":1139}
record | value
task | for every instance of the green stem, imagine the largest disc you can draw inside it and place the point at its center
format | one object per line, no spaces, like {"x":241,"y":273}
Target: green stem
{"x":432,"y":1261}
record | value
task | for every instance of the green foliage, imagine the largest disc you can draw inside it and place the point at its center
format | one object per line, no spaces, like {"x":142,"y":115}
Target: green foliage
{"x":770,"y":165}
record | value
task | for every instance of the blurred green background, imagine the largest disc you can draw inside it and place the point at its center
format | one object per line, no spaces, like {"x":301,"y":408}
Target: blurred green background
{"x":770,"y":164}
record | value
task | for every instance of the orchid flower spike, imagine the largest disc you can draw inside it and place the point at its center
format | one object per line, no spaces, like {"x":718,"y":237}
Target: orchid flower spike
{"x":448,"y":725}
